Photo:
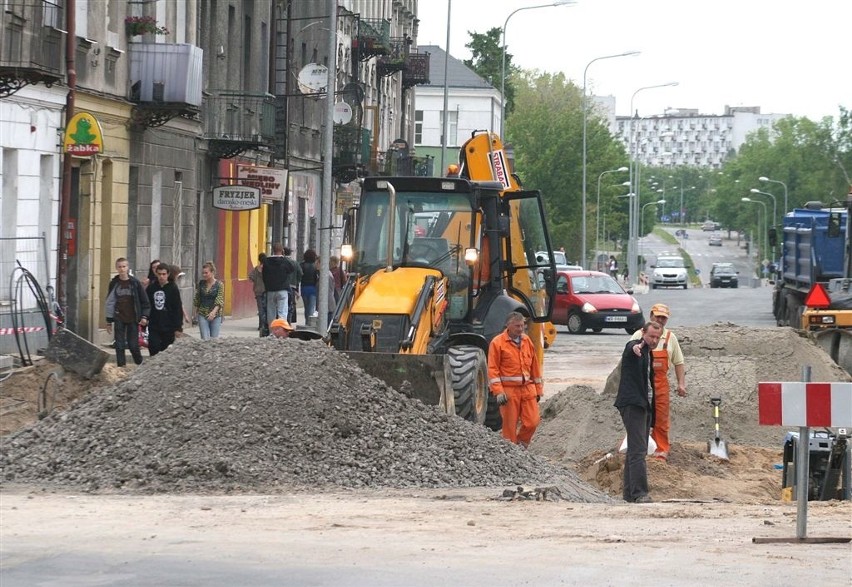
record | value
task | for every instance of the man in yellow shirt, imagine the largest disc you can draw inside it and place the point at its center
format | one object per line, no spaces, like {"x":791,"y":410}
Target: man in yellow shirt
{"x":665,"y":354}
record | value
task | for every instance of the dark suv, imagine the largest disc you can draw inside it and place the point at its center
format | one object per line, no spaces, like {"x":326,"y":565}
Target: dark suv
{"x":724,"y":275}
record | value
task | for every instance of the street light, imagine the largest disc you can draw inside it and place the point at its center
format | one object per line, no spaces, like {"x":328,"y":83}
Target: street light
{"x":503,"y":70}
{"x":633,"y":225}
{"x":761,"y":247}
{"x":642,"y":214}
{"x":585,"y":109}
{"x":598,"y":207}
{"x":774,"y":203}
{"x":764,"y":178}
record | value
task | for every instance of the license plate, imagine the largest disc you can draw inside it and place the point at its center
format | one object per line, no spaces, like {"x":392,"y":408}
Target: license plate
{"x":616,"y":318}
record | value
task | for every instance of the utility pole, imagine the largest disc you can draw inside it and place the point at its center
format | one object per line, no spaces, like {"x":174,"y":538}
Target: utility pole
{"x":65,"y":193}
{"x":327,"y":193}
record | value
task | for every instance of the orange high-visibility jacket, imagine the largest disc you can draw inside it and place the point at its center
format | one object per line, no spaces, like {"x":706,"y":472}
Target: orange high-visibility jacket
{"x":513,"y":366}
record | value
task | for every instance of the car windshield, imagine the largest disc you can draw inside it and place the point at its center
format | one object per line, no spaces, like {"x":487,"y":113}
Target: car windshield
{"x":596,"y":284}
{"x":674,"y":262}
{"x":724,"y":270}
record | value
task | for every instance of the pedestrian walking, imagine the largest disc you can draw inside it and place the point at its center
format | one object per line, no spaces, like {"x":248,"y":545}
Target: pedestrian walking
{"x":308,"y":285}
{"x":276,"y":268}
{"x":128,"y":309}
{"x":612,"y":266}
{"x":667,"y":353}
{"x":514,"y":377}
{"x":208,"y":302}
{"x":635,"y":403}
{"x":166,"y":318}
{"x":256,"y":278}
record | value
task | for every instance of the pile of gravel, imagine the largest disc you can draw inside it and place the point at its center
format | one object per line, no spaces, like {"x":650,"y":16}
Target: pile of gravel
{"x":264,"y":415}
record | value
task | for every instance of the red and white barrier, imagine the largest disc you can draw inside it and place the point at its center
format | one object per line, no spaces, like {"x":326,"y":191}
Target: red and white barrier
{"x":21,"y":329}
{"x":805,"y":404}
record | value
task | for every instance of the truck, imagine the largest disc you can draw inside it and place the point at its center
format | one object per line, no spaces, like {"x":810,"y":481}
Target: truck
{"x":814,"y":250}
{"x":813,"y":290}
{"x":435,"y":265}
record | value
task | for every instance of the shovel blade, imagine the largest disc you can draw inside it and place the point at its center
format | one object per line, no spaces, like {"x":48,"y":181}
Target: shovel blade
{"x":718,"y":449}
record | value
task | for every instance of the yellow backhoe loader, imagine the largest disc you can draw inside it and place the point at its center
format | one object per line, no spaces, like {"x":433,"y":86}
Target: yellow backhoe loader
{"x":435,"y":265}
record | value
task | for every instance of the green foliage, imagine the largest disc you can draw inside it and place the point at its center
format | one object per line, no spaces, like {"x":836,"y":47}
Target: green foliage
{"x":546,"y":132}
{"x":487,"y":61}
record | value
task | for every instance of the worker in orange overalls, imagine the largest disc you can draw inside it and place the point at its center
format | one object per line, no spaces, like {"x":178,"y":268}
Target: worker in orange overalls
{"x":667,"y":353}
{"x":514,"y":376}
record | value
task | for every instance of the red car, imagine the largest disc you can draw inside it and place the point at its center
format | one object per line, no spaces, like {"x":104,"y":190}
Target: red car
{"x":594,"y":300}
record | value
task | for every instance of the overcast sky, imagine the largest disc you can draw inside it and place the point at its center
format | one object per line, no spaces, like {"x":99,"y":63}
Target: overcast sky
{"x":786,"y":57}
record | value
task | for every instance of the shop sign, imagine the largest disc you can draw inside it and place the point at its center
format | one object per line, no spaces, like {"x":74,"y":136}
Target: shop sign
{"x":236,"y":198}
{"x":83,"y":136}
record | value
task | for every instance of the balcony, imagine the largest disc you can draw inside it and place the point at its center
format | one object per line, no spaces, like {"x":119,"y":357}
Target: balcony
{"x":416,"y":69}
{"x":373,"y":38}
{"x":401,"y":163}
{"x":351,"y":151}
{"x":33,"y":46}
{"x":165,"y":82}
{"x":395,"y":60}
{"x":235,"y":122}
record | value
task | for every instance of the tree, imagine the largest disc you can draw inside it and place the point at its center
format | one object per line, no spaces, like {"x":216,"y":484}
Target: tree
{"x":487,"y":61}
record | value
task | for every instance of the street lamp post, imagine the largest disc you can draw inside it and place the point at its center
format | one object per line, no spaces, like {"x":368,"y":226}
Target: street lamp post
{"x":598,"y":206}
{"x":585,"y":110}
{"x":774,"y":203}
{"x":765,"y":211}
{"x":642,"y":214}
{"x":633,"y":225}
{"x":503,"y":69}
{"x":764,"y":178}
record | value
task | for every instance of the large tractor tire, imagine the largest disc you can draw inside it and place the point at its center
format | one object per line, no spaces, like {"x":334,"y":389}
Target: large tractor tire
{"x":469,"y":369}
{"x":794,"y":311}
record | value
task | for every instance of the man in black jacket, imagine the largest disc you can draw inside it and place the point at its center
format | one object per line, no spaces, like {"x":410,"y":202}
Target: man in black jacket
{"x":635,"y":403}
{"x":166,"y":311}
{"x":276,"y":279}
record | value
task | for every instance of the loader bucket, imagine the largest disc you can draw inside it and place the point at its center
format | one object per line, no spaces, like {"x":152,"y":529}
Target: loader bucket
{"x":422,"y":377}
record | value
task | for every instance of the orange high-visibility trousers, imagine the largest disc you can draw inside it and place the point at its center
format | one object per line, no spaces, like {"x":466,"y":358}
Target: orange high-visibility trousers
{"x":660,"y":433}
{"x":522,"y":408}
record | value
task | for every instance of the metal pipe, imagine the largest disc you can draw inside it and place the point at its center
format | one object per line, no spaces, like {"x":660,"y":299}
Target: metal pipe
{"x":802,"y":468}
{"x":391,"y":223}
{"x":327,"y":199}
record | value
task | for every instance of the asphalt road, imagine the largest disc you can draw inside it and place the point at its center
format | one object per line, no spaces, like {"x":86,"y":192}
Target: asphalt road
{"x":587,"y":359}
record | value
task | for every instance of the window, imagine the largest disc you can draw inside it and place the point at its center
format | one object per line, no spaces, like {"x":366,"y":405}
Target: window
{"x":452,"y":128}
{"x":52,"y":14}
{"x":418,"y":127}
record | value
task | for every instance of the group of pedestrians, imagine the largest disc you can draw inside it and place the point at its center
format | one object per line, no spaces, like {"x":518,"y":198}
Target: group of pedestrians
{"x":278,"y":282}
{"x":515,"y":379}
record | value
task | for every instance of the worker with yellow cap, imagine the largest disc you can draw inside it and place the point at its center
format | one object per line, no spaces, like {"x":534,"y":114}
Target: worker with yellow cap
{"x":667,"y":353}
{"x":280,"y":328}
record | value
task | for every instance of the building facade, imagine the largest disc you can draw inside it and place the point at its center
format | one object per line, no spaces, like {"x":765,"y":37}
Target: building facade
{"x":189,"y":96}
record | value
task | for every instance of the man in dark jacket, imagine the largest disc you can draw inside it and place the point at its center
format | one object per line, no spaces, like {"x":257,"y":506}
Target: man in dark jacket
{"x":128,"y":308}
{"x":635,"y":403}
{"x":166,"y":311}
{"x":276,"y":278}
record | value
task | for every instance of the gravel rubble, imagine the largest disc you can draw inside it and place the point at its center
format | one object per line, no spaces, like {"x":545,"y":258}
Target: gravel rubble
{"x":264,"y":415}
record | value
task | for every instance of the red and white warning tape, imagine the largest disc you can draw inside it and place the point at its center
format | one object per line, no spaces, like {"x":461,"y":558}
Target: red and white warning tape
{"x":21,"y":329}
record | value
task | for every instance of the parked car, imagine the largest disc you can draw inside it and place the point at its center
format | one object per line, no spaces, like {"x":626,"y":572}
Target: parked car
{"x":558,"y":257}
{"x":594,"y":300}
{"x":669,"y":272}
{"x":724,"y":275}
{"x":710,"y":226}
{"x":715,"y":240}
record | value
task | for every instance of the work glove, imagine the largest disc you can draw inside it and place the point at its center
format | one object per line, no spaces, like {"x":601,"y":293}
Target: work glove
{"x":538,"y":399}
{"x":502,"y":399}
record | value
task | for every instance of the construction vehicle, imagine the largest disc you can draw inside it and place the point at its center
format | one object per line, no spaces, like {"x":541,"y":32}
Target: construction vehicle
{"x":828,"y":464}
{"x":814,"y":250}
{"x":826,"y":307}
{"x":435,"y":265}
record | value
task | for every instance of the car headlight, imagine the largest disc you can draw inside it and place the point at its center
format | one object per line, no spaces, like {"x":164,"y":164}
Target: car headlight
{"x":635,"y":309}
{"x":588,"y":308}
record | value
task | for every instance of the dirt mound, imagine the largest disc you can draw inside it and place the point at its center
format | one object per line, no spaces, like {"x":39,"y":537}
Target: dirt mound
{"x":264,"y":415}
{"x":581,"y":426}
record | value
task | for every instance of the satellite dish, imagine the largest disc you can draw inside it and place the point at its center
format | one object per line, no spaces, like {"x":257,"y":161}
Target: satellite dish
{"x":313,"y":78}
{"x":342,"y":113}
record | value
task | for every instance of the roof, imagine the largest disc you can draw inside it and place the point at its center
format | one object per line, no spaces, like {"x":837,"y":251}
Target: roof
{"x":458,"y":74}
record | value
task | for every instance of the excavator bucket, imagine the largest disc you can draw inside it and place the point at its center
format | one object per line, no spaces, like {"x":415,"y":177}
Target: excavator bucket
{"x":423,"y":377}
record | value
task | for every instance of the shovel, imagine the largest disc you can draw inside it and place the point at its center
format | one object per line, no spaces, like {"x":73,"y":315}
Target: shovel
{"x":717,"y":446}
